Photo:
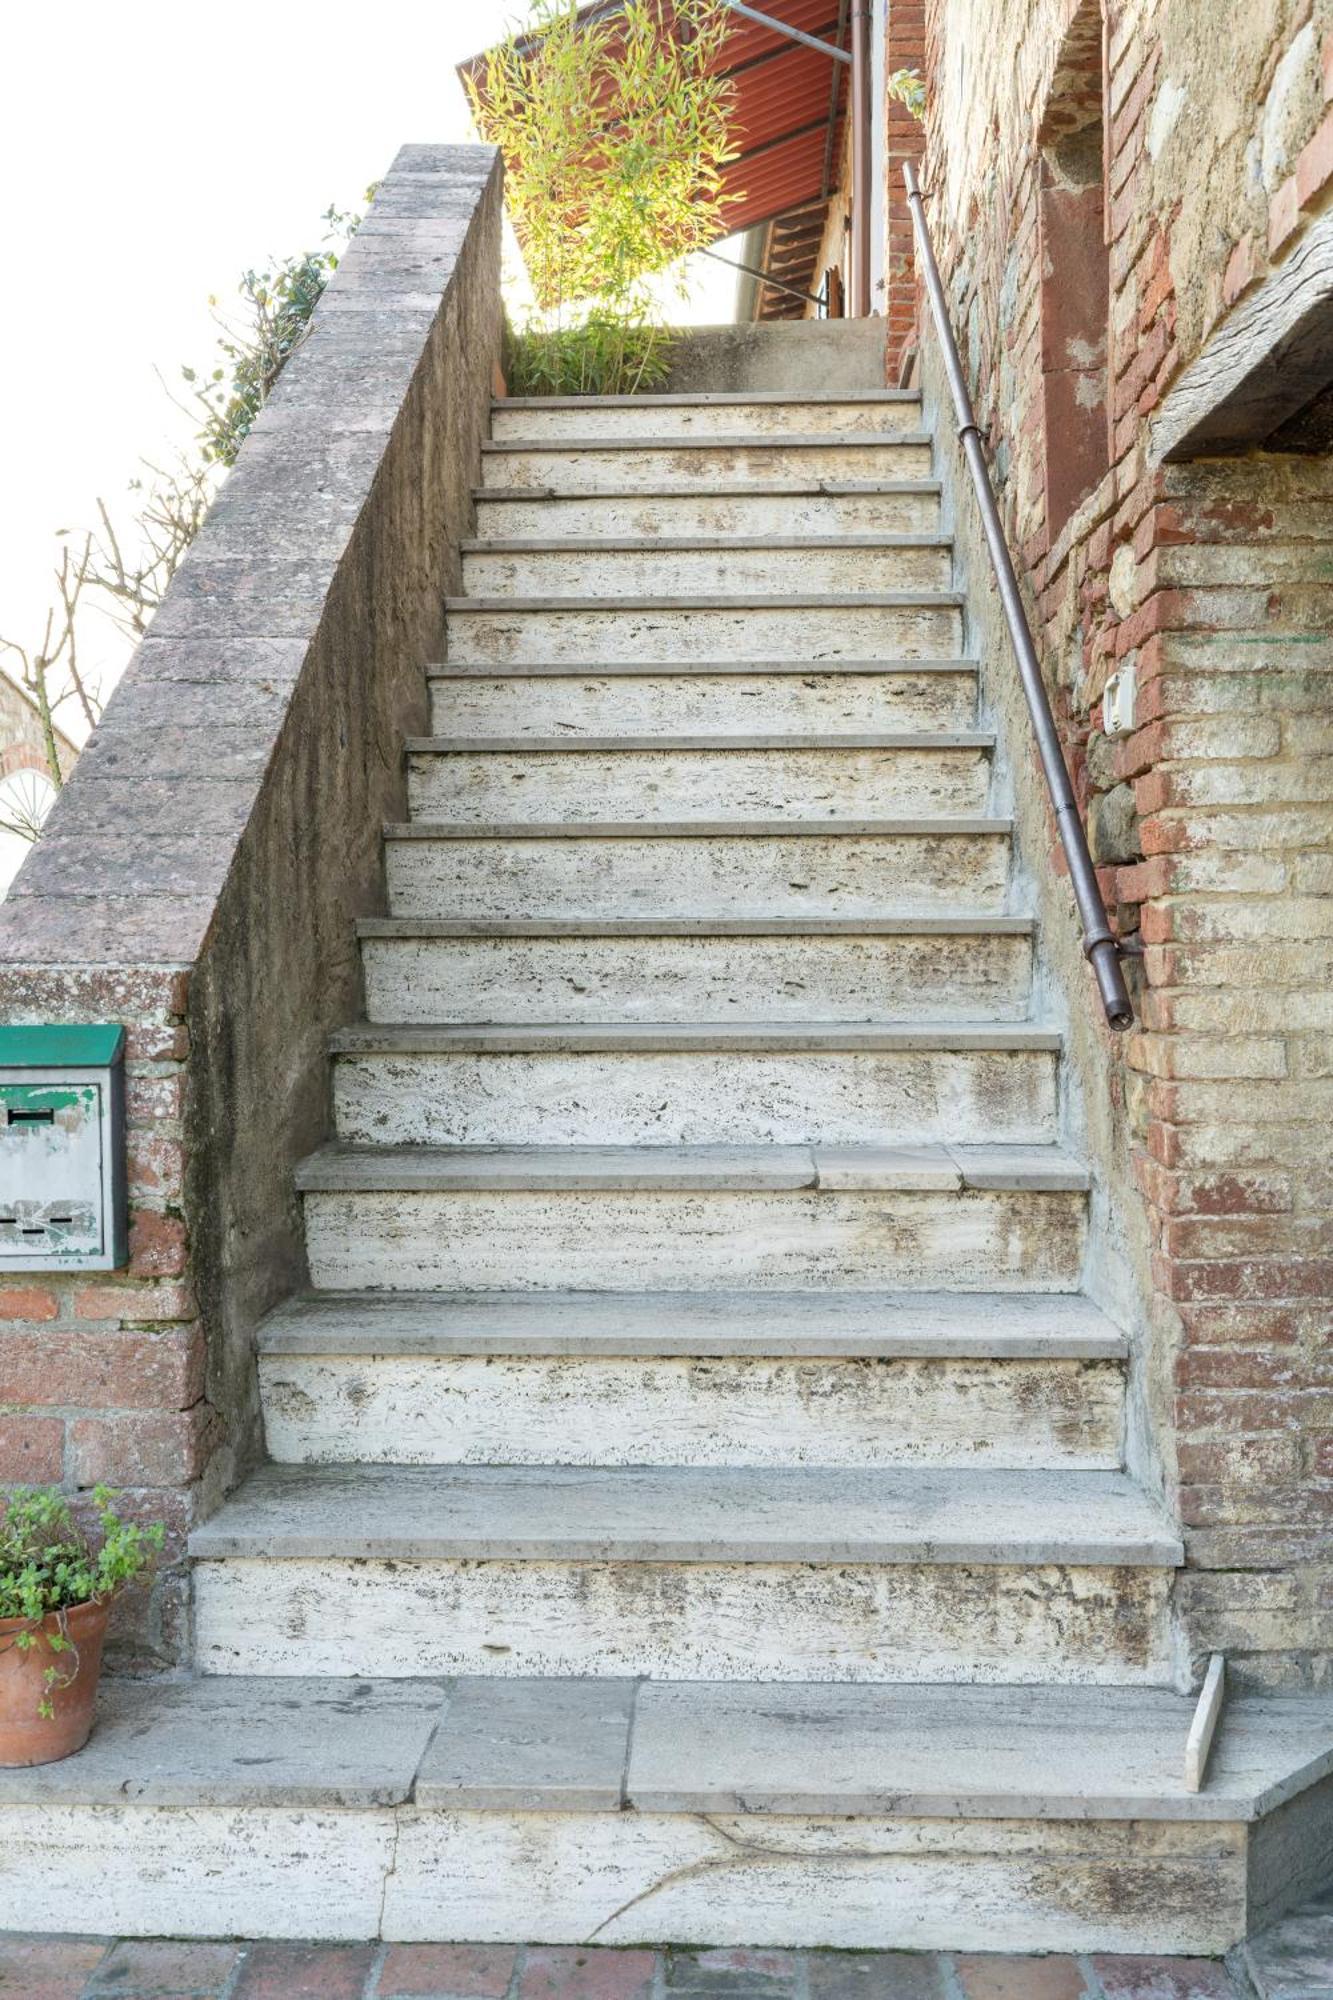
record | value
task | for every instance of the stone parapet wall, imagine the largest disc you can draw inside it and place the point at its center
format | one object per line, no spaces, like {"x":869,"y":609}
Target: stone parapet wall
{"x":200,"y":875}
{"x":1210,"y":581}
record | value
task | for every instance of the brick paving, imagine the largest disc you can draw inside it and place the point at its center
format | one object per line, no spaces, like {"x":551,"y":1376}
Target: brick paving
{"x":1293,"y":1962}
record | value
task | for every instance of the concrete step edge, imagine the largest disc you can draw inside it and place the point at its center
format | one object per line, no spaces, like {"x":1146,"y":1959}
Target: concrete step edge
{"x":589,"y":545}
{"x":691,"y":1515}
{"x":688,"y":1037}
{"x":844,"y":489}
{"x":932,"y":1326}
{"x":753,"y":600}
{"x":738,"y":927}
{"x":888,"y":739}
{"x":719,"y":441}
{"x":940,"y":828}
{"x":712,"y":399}
{"x":482,"y":1744}
{"x":490,"y":670}
{"x":923,"y":1169}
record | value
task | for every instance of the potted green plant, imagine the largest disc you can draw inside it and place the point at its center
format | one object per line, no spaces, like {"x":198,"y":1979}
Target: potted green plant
{"x":57,"y":1584}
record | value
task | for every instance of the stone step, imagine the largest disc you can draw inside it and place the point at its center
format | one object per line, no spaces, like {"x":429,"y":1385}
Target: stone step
{"x":360,"y":1378}
{"x":696,"y":869}
{"x":857,"y":1326}
{"x":761,"y":413}
{"x":806,"y":968}
{"x":751,"y":627}
{"x":693,"y":1083}
{"x":662,"y":463}
{"x":779,"y":562}
{"x":897,"y":507}
{"x":963,"y":1218}
{"x":483,"y":1808}
{"x":707,"y":698}
{"x":687,"y":1572}
{"x":628,"y":777}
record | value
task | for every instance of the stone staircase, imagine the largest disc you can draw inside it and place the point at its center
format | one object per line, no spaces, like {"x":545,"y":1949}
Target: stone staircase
{"x":696,"y":1265}
{"x":696,"y":1376}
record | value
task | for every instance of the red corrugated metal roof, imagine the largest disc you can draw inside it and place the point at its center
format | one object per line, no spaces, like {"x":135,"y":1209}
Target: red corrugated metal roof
{"x":784,"y":106}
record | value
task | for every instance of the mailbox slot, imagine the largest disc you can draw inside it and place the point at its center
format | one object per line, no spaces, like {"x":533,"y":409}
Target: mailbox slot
{"x":62,"y":1148}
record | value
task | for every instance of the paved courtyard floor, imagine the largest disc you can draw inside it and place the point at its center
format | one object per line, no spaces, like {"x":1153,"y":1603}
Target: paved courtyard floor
{"x":1293,"y":1962}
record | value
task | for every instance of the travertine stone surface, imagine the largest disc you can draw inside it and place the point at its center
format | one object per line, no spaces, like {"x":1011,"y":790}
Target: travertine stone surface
{"x":448,"y":779}
{"x":761,"y":413}
{"x":754,"y":627}
{"x":679,"y":463}
{"x":698,"y":1097}
{"x":808,"y":1621}
{"x":599,"y":1239}
{"x":909,"y":1884}
{"x":762,"y":563}
{"x":783,"y":870}
{"x":903,"y":507}
{"x":688,"y":698}
{"x":459,"y":1409}
{"x":611,"y":976}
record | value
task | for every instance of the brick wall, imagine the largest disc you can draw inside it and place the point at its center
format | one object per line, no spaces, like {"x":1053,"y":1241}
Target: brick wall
{"x":904,"y":48}
{"x":1212,"y":821}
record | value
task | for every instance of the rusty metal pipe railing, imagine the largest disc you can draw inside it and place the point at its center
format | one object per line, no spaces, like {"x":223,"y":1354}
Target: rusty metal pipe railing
{"x":1100,"y":944}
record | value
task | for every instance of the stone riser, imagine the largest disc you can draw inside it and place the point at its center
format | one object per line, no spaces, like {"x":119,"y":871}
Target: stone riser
{"x":407,"y":1874}
{"x":587,"y":572}
{"x":652,"y":417}
{"x":703,"y":513}
{"x":721,"y":875}
{"x":767,"y":630}
{"x":696,"y":704}
{"x":703,"y":1097}
{"x":702,"y":1621}
{"x":648,"y":468}
{"x":733,"y":979}
{"x":610,"y":1410}
{"x":600,"y":1240}
{"x":545,"y":785}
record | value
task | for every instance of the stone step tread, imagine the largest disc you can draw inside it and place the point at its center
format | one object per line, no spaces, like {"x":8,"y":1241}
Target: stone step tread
{"x":688,"y":1514}
{"x":598,"y":927}
{"x":937,"y":826}
{"x":758,"y":599}
{"x":681,"y":399}
{"x":881,"y":739}
{"x":490,"y":670}
{"x":680,"y":544}
{"x":715,"y":441}
{"x":640,"y":1037}
{"x":777,"y":489}
{"x":904,"y":1169}
{"x":486,"y":1743}
{"x":1016,"y":1326}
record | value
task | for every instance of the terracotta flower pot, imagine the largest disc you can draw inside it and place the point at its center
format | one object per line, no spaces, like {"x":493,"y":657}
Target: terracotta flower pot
{"x":26,"y":1735}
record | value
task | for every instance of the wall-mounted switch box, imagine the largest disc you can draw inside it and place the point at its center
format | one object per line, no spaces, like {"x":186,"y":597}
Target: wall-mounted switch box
{"x":1118,"y":703}
{"x":62,"y":1149}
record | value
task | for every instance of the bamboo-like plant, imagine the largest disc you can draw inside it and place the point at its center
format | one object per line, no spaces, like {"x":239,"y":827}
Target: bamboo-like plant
{"x":615,"y":130}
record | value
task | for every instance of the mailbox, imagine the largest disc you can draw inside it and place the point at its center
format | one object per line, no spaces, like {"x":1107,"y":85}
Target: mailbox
{"x":62,"y":1149}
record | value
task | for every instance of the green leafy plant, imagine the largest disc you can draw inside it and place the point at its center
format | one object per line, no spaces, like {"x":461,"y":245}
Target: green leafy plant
{"x":908,"y":86}
{"x":279,"y":303}
{"x":615,"y":131}
{"x":49,"y":1564}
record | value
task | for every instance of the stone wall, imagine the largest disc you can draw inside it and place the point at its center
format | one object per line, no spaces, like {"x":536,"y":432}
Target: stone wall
{"x":200,"y":876}
{"x":1211,"y":148}
{"x":22,"y":741}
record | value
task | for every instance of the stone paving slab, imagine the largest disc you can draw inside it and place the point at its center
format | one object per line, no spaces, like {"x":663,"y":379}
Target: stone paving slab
{"x":44,"y":1968}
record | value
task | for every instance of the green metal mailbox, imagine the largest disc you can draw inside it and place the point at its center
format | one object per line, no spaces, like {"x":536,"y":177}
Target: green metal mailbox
{"x":62,"y":1149}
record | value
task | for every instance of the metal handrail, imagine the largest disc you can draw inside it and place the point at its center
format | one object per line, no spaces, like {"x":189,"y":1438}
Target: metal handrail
{"x":1100,"y":945}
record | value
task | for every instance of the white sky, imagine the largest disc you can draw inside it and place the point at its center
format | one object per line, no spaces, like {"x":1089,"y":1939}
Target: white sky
{"x":150,"y":152}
